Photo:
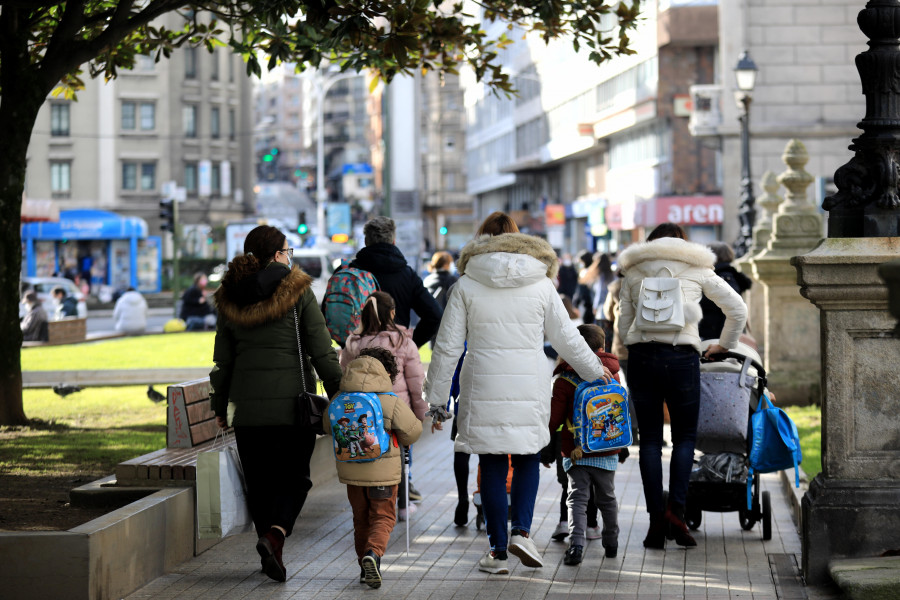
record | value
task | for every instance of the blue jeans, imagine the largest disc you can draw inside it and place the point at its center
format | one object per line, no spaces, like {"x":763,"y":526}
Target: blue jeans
{"x":523,"y":492}
{"x":660,"y":373}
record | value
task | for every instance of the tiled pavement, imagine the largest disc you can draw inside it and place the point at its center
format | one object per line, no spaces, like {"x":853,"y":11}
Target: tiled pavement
{"x":728,"y":562}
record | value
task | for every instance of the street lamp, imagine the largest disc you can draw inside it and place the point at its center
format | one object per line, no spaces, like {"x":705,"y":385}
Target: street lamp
{"x":745,"y":78}
{"x":323,"y":84}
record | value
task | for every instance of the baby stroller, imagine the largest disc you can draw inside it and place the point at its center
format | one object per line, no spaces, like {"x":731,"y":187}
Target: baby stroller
{"x":476,"y":497}
{"x":730,"y":389}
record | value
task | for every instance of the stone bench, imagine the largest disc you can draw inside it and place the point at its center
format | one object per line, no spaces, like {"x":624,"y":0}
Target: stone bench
{"x":191,"y":429}
{"x":68,"y":330}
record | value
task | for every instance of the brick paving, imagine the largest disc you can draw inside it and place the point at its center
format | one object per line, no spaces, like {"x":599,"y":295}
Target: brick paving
{"x":728,"y":562}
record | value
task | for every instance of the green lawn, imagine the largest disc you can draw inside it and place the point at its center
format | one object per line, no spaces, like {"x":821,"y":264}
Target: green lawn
{"x":141,"y":352}
{"x":809,"y":425}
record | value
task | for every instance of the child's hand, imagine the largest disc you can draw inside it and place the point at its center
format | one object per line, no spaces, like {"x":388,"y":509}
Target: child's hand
{"x":437,"y":427}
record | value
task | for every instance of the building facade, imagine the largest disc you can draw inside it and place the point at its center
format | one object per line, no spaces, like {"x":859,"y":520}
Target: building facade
{"x":187,"y":120}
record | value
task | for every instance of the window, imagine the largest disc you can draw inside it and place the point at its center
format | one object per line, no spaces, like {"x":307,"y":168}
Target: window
{"x":231,"y":124}
{"x":216,"y":180}
{"x":129,"y":176}
{"x":131,"y":181}
{"x":214,"y":130}
{"x":190,"y":178}
{"x":230,"y":59}
{"x":128,"y":117}
{"x":132,"y":111}
{"x":190,"y":63}
{"x":189,"y":117}
{"x":148,"y":116}
{"x":148,"y":177}
{"x":144,"y":63}
{"x":59,"y":120}
{"x":214,"y":66}
{"x":60,"y":178}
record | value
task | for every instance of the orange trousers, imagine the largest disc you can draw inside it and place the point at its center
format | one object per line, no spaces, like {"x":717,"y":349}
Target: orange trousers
{"x":374,"y":516}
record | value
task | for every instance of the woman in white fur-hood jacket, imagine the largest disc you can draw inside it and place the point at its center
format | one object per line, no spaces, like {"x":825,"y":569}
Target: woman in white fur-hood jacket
{"x":665,"y":366}
{"x":502,"y":306}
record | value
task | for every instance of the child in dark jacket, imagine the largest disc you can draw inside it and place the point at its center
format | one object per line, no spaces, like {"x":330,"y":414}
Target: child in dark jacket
{"x":592,"y":469}
{"x":372,"y":486}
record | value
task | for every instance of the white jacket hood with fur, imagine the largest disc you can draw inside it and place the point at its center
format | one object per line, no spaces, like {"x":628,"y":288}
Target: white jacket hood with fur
{"x":693,"y":265}
{"x":503,"y":306}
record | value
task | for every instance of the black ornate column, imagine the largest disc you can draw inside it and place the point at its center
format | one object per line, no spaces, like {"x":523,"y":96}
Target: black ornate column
{"x":867,"y":203}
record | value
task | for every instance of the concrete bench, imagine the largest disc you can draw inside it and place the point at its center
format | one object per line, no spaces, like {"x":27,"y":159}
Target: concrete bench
{"x":191,"y":429}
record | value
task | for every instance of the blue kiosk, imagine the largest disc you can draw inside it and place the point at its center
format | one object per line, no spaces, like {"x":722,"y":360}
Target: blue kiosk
{"x":110,"y":249}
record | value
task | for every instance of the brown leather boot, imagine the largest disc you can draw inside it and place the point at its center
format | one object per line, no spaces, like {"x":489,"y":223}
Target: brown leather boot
{"x":656,"y":536}
{"x":677,"y":528}
{"x":269,"y":547}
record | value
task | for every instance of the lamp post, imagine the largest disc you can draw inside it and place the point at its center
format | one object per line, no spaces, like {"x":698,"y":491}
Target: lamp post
{"x":323,"y":84}
{"x":745,"y":78}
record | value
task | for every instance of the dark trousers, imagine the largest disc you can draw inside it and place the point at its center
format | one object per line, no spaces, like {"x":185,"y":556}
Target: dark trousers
{"x":659,"y":373}
{"x":275,"y":459}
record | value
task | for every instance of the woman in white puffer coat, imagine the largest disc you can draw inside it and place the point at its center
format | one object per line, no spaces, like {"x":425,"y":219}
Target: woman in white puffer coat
{"x":664,"y":366}
{"x":503,"y":306}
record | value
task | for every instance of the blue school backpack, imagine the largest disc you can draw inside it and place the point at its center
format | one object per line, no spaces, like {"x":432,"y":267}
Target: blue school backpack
{"x":774,"y":445}
{"x":600,"y":420}
{"x":357,"y":427}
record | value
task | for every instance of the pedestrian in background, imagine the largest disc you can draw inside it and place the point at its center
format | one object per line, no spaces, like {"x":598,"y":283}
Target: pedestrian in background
{"x":664,"y":367}
{"x":130,"y":312}
{"x":34,"y":323}
{"x":66,"y":305}
{"x":387,"y":264}
{"x":713,"y":318}
{"x":264,"y":305}
{"x":372,"y":486}
{"x":195,"y":309}
{"x":501,"y":308}
{"x":583,"y":299}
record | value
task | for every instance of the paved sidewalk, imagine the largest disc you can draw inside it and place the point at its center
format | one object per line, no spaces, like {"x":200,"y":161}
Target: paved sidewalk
{"x":728,"y":562}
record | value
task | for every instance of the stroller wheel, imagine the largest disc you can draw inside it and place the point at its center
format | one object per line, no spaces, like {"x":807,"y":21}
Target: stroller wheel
{"x":693,"y":517}
{"x":746,"y":518}
{"x":766,"y":516}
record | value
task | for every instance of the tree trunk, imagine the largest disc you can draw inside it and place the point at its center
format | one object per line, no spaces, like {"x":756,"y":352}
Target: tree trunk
{"x":22,"y":97}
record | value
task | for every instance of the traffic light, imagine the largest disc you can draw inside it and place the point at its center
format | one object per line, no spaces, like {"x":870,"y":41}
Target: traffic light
{"x":444,"y":230}
{"x":166,"y":215}
{"x":302,"y":227}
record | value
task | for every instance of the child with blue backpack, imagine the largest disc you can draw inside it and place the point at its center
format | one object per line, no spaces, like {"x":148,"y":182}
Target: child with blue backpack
{"x":378,"y":328}
{"x":595,"y":470}
{"x":372,"y":485}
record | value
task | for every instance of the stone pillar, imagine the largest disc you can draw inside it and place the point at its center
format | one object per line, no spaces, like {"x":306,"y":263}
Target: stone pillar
{"x":791,"y":330}
{"x":852,"y":508}
{"x":755,"y":297}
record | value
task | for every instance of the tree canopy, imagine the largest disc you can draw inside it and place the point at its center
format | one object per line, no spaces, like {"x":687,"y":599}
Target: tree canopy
{"x":49,"y":45}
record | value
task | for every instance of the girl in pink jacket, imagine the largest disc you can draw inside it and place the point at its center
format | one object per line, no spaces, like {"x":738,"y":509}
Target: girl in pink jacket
{"x":377,"y":328}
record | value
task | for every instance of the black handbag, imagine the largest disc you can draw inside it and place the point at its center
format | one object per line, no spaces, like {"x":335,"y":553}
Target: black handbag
{"x":311,"y":408}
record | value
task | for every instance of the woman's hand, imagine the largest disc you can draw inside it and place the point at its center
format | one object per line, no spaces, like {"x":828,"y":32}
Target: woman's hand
{"x":714,"y":349}
{"x":222,"y":422}
{"x":607,"y":375}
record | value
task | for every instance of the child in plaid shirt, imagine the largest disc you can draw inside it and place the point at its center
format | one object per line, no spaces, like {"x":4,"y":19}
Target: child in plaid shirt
{"x":597,"y":469}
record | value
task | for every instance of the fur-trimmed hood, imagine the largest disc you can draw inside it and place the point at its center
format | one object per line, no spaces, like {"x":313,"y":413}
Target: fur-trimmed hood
{"x":269,"y":307}
{"x":518,"y":245}
{"x":669,"y":249}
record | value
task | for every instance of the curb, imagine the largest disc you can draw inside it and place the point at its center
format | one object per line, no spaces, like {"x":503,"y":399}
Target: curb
{"x":794,"y":494}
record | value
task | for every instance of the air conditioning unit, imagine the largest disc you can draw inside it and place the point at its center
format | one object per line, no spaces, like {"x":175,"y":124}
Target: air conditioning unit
{"x":706,"y":112}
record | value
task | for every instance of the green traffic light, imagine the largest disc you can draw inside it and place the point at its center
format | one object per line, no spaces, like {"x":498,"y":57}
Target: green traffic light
{"x":443,"y":231}
{"x":267,"y":158}
{"x":302,"y":228}
{"x":274,"y":151}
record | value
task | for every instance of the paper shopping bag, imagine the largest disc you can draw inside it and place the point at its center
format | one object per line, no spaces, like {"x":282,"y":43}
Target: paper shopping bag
{"x":221,"y":494}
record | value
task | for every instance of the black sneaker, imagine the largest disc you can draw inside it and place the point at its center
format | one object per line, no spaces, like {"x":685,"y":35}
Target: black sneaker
{"x":371,"y":564}
{"x":574,"y":555}
{"x":611,"y":551}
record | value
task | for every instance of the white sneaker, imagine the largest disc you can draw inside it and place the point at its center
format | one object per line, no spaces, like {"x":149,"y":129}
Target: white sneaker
{"x":405,"y":513}
{"x":593,"y":533}
{"x":561,"y":532}
{"x":524,"y":548}
{"x":489,"y":564}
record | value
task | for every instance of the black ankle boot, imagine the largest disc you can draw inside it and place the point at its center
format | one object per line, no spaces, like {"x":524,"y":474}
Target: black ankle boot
{"x":461,"y":517}
{"x":677,"y":529}
{"x":656,"y":536}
